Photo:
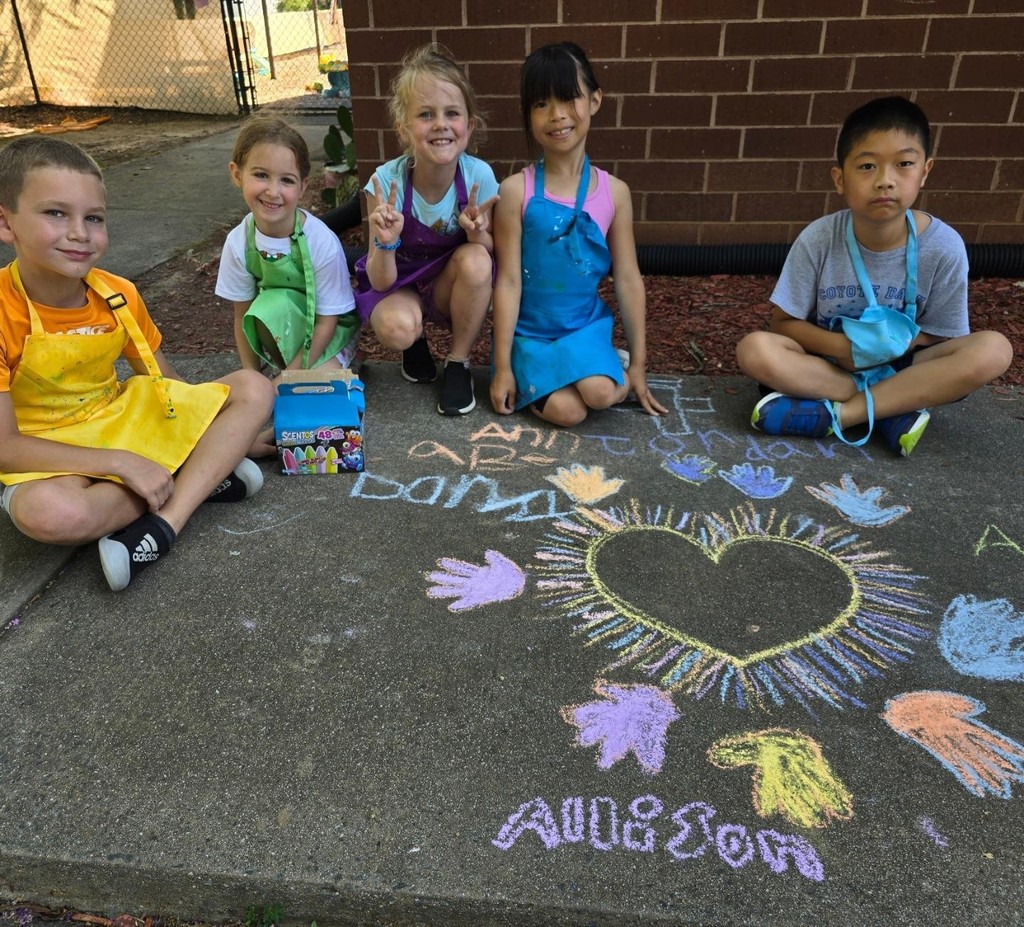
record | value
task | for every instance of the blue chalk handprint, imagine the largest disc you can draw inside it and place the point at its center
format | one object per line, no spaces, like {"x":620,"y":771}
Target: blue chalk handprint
{"x":692,"y":468}
{"x":761,"y":483}
{"x":861,"y":507}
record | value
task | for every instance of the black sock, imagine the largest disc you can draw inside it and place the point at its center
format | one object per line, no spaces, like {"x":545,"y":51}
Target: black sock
{"x":125,"y":553}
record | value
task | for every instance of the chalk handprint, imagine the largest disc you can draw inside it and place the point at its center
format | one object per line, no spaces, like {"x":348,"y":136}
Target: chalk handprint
{"x":630,"y":718}
{"x":586,"y":485}
{"x":692,"y":468}
{"x":984,"y":638}
{"x":761,"y":483}
{"x":471,"y":585}
{"x":861,"y":507}
{"x":791,"y":776}
{"x":982,"y":759}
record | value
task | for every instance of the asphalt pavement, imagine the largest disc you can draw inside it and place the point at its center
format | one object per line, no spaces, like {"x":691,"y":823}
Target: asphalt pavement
{"x":644,"y":671}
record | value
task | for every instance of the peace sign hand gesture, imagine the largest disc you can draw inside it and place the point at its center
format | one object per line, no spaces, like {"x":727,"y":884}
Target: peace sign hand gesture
{"x":476,"y":217}
{"x":386,"y":222}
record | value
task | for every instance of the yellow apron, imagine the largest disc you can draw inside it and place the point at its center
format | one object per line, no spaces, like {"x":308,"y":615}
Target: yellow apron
{"x":65,"y":389}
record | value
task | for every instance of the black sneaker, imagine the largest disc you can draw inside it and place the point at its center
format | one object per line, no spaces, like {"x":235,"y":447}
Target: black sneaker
{"x":124,"y":553}
{"x":456,"y":389}
{"x":244,"y":481}
{"x":418,"y":363}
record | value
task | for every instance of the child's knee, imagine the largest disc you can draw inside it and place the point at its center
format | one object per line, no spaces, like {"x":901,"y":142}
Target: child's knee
{"x":564,"y":408}
{"x":252,"y":388}
{"x":753,"y":351}
{"x":998,"y":353}
{"x":395,"y":330}
{"x":473,"y":264}
{"x":51,"y":516}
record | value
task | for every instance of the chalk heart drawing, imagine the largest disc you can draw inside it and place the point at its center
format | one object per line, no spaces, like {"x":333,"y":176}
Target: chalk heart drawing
{"x":777,"y":609}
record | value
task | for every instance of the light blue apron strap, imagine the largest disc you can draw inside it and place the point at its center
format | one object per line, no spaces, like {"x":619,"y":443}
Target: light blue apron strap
{"x":837,"y":430}
{"x":910,"y":284}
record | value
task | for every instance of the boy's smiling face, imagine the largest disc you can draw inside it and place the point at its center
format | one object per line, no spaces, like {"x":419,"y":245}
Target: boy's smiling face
{"x":882,"y":175}
{"x":59,"y":226}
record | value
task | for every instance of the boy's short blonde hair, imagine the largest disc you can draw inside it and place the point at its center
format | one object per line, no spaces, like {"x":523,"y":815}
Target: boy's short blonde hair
{"x":434,"y":61}
{"x":31,"y":152}
{"x":259,"y":129}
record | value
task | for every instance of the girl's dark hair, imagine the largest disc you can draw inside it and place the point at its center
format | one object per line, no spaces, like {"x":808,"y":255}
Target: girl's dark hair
{"x":885,"y":114}
{"x":553,"y":71}
{"x":266,"y":129}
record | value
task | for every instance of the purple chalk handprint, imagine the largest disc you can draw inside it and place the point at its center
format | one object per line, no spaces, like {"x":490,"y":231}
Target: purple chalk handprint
{"x":628,"y":718}
{"x":471,"y":585}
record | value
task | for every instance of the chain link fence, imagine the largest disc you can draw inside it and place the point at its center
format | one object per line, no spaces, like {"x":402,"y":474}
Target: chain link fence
{"x":194,"y":56}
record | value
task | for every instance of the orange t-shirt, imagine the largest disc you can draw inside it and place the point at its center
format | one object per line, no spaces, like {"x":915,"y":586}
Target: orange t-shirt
{"x":95,"y":317}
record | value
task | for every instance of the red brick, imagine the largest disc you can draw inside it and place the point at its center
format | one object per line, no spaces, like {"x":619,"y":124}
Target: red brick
{"x":609,"y":144}
{"x":370,"y":151}
{"x":405,"y":13}
{"x":500,"y":112}
{"x":817,"y":175}
{"x":972,"y":141}
{"x":501,"y":79}
{"x":362,"y":79}
{"x":687,"y":144}
{"x":808,"y":74}
{"x":689,"y":207}
{"x":883,"y":72}
{"x":734,"y":176}
{"x":978,"y":33}
{"x":674,"y":176}
{"x":899,"y":7}
{"x":357,"y":14}
{"x":622,"y":77}
{"x":666,"y":110}
{"x":949,"y":174}
{"x":718,"y":10}
{"x":505,"y":145}
{"x":718,"y":76}
{"x":810,"y":9}
{"x":831,"y":109}
{"x":602,"y":11}
{"x":667,"y":233}
{"x":990,"y":6}
{"x":508,"y":12}
{"x":486,"y":44}
{"x":796,"y":37}
{"x":778,"y":207}
{"x":597,"y":41}
{"x":673,"y":40}
{"x":857,"y":36}
{"x":731,"y":233}
{"x":1010,"y":175}
{"x":990,"y":71}
{"x":972,"y":106}
{"x":783,"y":109}
{"x":370,"y":46}
{"x":997,"y":234}
{"x":973,"y":207}
{"x":792,"y":143}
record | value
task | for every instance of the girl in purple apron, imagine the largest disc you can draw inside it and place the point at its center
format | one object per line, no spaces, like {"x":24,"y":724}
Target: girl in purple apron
{"x":560,"y":227}
{"x":429,"y":215}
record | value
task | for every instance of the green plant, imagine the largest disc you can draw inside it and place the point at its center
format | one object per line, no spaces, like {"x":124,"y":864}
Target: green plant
{"x":270,"y":916}
{"x":299,"y":6}
{"x":340,"y":150}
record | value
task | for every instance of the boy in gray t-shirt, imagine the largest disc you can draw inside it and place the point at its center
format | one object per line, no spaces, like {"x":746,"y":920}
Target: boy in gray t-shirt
{"x":828,"y":368}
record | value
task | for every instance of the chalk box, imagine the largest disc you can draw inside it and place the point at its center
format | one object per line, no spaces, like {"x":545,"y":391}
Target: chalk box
{"x":318,"y":421}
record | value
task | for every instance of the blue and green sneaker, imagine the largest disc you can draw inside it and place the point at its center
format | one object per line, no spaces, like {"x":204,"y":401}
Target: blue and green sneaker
{"x":778,"y":414}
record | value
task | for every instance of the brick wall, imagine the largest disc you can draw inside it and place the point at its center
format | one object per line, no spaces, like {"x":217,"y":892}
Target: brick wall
{"x":722,"y":115}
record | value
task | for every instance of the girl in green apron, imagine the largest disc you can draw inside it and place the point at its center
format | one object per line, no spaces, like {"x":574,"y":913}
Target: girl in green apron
{"x":282,"y":268}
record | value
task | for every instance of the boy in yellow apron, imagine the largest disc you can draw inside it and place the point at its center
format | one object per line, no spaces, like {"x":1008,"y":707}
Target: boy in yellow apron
{"x":84,"y":457}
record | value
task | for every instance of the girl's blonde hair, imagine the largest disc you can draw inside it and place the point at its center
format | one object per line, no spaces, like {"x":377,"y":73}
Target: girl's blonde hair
{"x":434,"y":61}
{"x":259,"y":129}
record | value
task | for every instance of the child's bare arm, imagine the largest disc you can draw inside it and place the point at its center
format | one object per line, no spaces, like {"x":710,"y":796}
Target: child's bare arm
{"x":508,"y":288}
{"x":631,"y":295}
{"x":20,"y":453}
{"x":813,"y":338}
{"x":324,"y":328}
{"x":386,"y":224}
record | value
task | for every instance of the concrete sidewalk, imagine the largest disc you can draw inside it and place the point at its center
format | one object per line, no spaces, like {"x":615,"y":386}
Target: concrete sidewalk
{"x":641,"y":672}
{"x":632,"y":673}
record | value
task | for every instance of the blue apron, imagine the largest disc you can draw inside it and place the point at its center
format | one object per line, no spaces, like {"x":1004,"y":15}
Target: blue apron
{"x":564,"y":331}
{"x":880,"y":334}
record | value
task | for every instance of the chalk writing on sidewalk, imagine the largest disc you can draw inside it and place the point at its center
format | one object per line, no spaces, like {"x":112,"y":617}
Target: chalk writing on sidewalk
{"x":687,"y":834}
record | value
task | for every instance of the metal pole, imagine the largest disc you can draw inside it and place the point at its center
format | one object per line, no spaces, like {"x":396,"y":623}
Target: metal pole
{"x":316,"y":28}
{"x":24,"y":49}
{"x":270,"y":47}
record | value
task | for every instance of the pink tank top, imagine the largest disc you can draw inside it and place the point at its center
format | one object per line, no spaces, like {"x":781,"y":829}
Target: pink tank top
{"x":598,"y":205}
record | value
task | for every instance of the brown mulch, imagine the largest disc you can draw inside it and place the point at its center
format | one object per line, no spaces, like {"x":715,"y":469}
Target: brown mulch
{"x":693,"y":323}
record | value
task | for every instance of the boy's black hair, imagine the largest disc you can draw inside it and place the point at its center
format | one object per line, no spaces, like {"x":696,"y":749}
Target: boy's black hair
{"x":553,"y":71}
{"x":35,"y":151}
{"x":883,"y":115}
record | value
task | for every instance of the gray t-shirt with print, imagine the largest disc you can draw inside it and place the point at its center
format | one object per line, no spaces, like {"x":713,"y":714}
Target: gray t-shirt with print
{"x":818,"y":281}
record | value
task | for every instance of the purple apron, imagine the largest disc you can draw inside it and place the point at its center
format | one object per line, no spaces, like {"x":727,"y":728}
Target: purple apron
{"x":422,"y":256}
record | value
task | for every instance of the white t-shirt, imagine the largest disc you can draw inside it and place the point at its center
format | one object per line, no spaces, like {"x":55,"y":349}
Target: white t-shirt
{"x":334,"y":294}
{"x":442,"y":216}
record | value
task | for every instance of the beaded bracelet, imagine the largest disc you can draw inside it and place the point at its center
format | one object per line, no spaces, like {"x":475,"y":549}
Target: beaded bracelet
{"x":394,"y":246}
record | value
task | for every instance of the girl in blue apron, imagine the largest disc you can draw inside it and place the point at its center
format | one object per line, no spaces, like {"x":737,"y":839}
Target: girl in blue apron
{"x":560,"y":227}
{"x":429,"y":215}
